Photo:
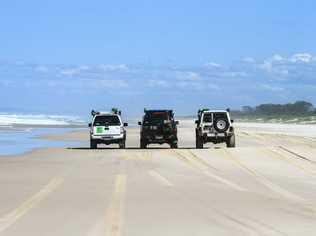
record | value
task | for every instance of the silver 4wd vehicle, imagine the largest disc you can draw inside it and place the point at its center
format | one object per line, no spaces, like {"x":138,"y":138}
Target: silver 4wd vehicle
{"x":107,"y":128}
{"x":214,"y":126}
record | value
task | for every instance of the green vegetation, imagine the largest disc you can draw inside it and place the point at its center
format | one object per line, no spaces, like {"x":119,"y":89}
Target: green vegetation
{"x":299,"y":112}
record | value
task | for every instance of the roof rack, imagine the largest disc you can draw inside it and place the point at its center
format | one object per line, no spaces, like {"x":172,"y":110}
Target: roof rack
{"x":115,"y":111}
{"x":203,"y":109}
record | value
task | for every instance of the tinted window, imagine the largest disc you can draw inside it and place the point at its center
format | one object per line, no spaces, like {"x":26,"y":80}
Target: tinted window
{"x":156,"y":116}
{"x":106,"y":121}
{"x":221,"y":115}
{"x":207,"y":118}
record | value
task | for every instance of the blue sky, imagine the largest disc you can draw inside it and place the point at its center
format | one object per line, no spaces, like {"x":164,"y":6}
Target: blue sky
{"x":70,"y":56}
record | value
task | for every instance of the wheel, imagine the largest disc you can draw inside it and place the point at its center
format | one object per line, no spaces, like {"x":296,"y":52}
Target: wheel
{"x":221,"y":125}
{"x":198,"y":142}
{"x":231,"y":143}
{"x":93,"y":144}
{"x":122,"y":144}
{"x":143,"y":144}
{"x":174,"y":145}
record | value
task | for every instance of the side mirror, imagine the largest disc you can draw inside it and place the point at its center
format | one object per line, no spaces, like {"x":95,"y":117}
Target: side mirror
{"x":139,"y":123}
{"x":196,"y":121}
{"x":125,"y":124}
{"x":177,"y":122}
{"x":89,"y":125}
{"x":232,"y":121}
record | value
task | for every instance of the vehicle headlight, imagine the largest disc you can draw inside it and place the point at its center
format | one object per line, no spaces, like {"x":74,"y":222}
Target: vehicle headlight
{"x":122,"y":130}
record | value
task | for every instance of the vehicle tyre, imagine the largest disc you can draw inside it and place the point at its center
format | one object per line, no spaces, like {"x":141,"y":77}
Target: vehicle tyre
{"x":174,"y":145}
{"x":231,"y":143}
{"x":221,"y":125}
{"x":143,"y":144}
{"x":122,"y":144}
{"x":93,"y":144}
{"x":199,"y":142}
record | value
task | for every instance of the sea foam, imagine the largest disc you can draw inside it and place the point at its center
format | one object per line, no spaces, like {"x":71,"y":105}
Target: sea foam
{"x":42,"y":119}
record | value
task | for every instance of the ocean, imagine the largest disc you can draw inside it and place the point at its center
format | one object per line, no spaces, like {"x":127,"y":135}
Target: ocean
{"x":19,"y":133}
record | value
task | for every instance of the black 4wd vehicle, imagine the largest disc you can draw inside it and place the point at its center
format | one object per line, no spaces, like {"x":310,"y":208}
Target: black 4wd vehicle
{"x":158,"y":126}
{"x":214,"y":126}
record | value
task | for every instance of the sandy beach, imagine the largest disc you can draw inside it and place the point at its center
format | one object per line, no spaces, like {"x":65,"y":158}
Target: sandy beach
{"x":265,"y":186}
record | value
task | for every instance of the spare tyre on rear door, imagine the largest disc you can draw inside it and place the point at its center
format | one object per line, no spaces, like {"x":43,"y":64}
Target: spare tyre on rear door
{"x":214,"y":126}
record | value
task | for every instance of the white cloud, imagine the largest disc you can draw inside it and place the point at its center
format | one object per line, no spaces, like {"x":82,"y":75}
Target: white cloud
{"x":111,"y":68}
{"x":272,"y":88}
{"x":301,"y":57}
{"x":274,"y":70}
{"x":96,"y":70}
{"x":277,"y":57}
{"x":190,"y":85}
{"x":112,"y":83}
{"x":70,"y":72}
{"x":42,"y":69}
{"x":84,"y":67}
{"x":249,"y":60}
{"x":159,"y":83}
{"x":213,"y":65}
{"x":235,"y":74}
{"x":187,"y":76}
{"x":267,"y":66}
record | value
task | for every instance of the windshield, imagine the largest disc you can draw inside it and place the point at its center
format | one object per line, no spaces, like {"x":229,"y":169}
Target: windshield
{"x":207,"y":118}
{"x":106,"y":121}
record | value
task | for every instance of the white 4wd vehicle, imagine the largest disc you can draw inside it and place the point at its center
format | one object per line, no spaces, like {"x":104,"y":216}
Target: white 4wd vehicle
{"x":214,"y":126}
{"x":107,"y":128}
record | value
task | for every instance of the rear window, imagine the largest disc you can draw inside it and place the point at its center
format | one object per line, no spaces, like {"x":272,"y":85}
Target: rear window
{"x":156,"y":116}
{"x":106,"y":121}
{"x":207,"y":118}
{"x":219,"y":115}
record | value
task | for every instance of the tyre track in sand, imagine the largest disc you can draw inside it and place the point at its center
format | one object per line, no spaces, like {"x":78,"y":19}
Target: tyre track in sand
{"x":226,"y":220}
{"x":267,"y":183}
{"x":276,"y":152}
{"x":193,"y":163}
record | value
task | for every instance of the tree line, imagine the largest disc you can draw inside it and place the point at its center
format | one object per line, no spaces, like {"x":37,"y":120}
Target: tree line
{"x":299,"y":108}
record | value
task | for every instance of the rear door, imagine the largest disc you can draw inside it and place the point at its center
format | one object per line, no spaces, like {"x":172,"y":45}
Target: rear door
{"x":106,"y":125}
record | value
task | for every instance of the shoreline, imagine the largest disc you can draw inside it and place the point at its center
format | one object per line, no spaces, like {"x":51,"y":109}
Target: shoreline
{"x":20,"y":141}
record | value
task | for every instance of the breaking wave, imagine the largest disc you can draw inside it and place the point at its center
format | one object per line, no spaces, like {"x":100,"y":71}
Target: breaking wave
{"x":43,"y":120}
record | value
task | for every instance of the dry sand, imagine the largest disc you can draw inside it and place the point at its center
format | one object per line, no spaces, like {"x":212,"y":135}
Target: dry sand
{"x":265,"y":186}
